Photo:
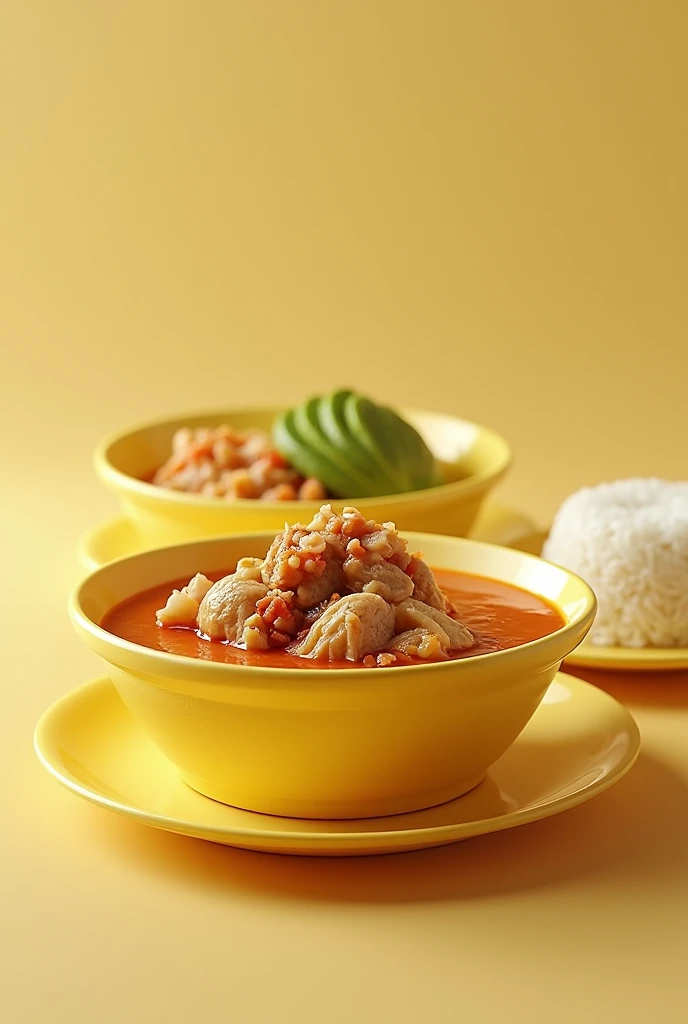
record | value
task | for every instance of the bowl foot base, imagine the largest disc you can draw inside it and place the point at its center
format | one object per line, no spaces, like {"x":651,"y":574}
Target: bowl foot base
{"x":340,"y":810}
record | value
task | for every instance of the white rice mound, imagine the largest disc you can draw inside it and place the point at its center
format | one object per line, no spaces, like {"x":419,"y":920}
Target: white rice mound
{"x":629,"y":541}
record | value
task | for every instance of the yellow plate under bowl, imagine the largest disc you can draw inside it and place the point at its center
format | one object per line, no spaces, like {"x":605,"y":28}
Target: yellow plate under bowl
{"x":579,"y":742}
{"x":496,"y":524}
{"x":618,"y":659}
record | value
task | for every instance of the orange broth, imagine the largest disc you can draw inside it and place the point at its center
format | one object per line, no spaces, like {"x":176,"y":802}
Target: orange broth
{"x":498,"y":615}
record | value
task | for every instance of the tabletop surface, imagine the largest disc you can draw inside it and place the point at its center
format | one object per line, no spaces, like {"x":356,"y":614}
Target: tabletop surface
{"x":107,"y":920}
{"x":263,"y":201}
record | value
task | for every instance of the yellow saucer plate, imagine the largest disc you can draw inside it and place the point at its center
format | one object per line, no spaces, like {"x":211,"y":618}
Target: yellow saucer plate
{"x":579,"y":742}
{"x":619,"y":659}
{"x":495,"y":524}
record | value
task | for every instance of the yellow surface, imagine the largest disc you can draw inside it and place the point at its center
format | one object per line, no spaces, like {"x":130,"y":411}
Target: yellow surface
{"x":223,"y":201}
{"x":473,"y":458}
{"x":309,"y":743}
{"x":579,"y":742}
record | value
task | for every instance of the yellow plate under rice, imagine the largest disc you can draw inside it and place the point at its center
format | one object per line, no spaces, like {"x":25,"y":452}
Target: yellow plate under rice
{"x":619,"y":659}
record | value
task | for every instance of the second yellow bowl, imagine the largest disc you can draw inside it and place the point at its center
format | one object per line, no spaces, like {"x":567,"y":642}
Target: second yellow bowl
{"x":473,"y":458}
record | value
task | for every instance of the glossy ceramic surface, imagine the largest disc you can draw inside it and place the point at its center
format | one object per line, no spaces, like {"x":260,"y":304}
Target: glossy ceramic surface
{"x":303,"y":743}
{"x":474,"y":460}
{"x":626,"y":659}
{"x":494,"y":524}
{"x":579,"y":742}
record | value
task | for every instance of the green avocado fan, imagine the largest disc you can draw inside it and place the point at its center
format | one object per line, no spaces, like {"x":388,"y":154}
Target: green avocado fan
{"x":358,"y":449}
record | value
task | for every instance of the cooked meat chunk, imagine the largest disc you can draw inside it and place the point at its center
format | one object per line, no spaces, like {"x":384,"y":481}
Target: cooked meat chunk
{"x":425,"y":585}
{"x":362,"y":537}
{"x":452,"y":635}
{"x":307,"y":562}
{"x":181,"y":608}
{"x":198,"y":587}
{"x":279,"y":545}
{"x":313,"y":614}
{"x":309,"y":559}
{"x":314,"y":590}
{"x":385,"y":542}
{"x":222,"y":462}
{"x":349,"y":628}
{"x":227,"y":605}
{"x":383,"y":578}
{"x":249,"y":569}
{"x":419,"y":643}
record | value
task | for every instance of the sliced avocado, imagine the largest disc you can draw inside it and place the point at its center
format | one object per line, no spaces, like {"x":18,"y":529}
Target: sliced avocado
{"x":355,"y":447}
{"x":307,"y":424}
{"x":372,"y":428}
{"x":308,"y":460}
{"x":419,"y":459}
{"x":333,"y":423}
{"x":399,"y":443}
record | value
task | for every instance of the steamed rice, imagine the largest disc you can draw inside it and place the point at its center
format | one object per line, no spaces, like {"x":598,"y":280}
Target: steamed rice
{"x":629,"y":541}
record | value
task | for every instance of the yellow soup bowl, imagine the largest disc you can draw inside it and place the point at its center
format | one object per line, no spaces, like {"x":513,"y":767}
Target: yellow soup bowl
{"x":472,"y":457}
{"x":332,"y":743}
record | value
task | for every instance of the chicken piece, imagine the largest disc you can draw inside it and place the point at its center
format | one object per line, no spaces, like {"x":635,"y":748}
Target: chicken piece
{"x":383,"y":578}
{"x":308,"y":562}
{"x":313,"y":614}
{"x":253,"y":445}
{"x":224,"y":463}
{"x":316,"y":589}
{"x":411,"y":614}
{"x":425,"y":587}
{"x":323,"y":518}
{"x":180,"y":610}
{"x":198,"y":587}
{"x":364,"y":536}
{"x":249,"y":569}
{"x":384,"y":542}
{"x":349,"y":628}
{"x":227,"y":605}
{"x":419,"y":643}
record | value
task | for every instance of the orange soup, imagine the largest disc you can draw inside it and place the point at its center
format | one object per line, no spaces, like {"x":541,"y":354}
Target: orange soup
{"x":498,"y":615}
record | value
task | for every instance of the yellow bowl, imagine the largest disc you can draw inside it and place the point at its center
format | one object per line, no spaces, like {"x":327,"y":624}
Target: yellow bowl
{"x":319,"y":743}
{"x":473,"y":458}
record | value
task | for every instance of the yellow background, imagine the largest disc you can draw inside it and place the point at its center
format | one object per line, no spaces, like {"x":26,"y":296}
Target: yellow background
{"x":477,"y":207}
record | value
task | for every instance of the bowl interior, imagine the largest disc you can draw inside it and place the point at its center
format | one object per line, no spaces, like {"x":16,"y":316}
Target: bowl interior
{"x":465,"y":450}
